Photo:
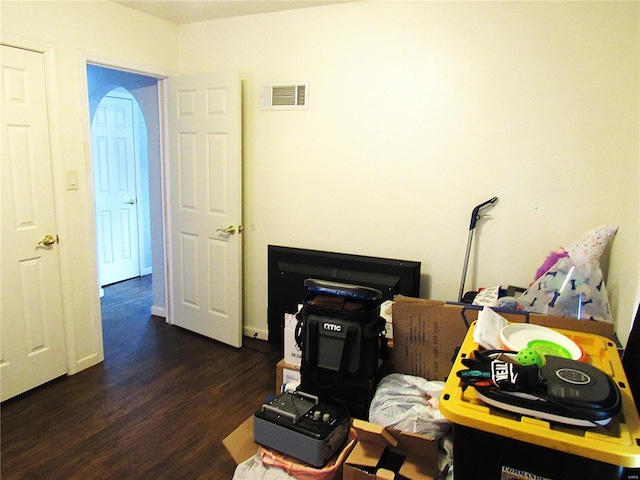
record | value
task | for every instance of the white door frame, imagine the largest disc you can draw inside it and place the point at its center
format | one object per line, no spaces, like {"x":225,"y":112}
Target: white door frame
{"x":161,"y":75}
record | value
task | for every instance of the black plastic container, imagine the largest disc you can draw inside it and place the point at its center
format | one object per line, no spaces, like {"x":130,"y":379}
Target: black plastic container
{"x":479,"y":455}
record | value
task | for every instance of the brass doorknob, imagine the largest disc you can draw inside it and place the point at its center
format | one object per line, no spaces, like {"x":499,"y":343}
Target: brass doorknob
{"x":230,"y":230}
{"x":48,"y":240}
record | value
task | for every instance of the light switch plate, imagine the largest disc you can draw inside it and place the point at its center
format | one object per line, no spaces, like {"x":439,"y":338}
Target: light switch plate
{"x":72,"y":180}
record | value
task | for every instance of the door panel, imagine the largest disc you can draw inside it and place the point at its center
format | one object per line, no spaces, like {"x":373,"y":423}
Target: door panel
{"x":32,"y":344}
{"x":205,"y":199}
{"x":115,"y":185}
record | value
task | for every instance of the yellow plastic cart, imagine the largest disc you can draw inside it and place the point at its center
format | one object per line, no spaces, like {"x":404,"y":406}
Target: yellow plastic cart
{"x":493,"y":444}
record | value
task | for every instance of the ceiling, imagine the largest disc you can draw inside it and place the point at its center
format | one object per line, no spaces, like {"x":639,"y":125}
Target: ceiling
{"x":190,"y":11}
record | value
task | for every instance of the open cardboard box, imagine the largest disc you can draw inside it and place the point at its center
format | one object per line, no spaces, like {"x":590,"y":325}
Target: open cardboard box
{"x":383,"y":453}
{"x":427,"y":333}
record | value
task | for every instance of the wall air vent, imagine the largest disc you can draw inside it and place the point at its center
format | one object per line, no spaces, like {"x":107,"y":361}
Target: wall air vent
{"x":285,"y":96}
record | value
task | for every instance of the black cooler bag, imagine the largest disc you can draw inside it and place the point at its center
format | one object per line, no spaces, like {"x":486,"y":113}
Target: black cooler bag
{"x":339,"y":333}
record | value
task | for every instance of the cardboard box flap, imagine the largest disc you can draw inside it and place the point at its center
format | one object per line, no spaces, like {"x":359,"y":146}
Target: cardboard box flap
{"x":415,"y":444}
{"x":239,"y":443}
{"x":366,"y":454}
{"x":417,"y":467}
{"x":401,"y":299}
{"x":384,"y":474}
{"x":604,"y":329}
{"x":457,"y":313}
{"x":373,"y":433}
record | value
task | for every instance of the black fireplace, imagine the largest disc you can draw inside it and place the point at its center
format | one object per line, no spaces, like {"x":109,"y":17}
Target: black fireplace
{"x":288,"y":268}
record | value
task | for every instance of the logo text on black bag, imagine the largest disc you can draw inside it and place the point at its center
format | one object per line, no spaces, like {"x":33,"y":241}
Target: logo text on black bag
{"x":332,"y":327}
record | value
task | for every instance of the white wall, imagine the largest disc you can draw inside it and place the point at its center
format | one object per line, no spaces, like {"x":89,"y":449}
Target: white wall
{"x":80,"y":30}
{"x":421,"y":110}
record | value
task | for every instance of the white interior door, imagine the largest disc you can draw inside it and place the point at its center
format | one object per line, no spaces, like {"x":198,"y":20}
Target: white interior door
{"x":205,"y":190}
{"x":115,"y":182}
{"x":32,"y":344}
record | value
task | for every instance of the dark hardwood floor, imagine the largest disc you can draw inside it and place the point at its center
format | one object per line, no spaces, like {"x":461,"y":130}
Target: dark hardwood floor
{"x":158,"y":407}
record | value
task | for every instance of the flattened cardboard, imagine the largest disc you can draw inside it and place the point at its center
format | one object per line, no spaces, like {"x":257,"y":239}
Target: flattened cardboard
{"x":418,"y":337}
{"x":428,"y":333}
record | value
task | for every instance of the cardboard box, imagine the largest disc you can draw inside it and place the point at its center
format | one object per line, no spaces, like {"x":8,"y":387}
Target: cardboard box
{"x":239,"y":443}
{"x":428,"y":333}
{"x":386,"y":453}
{"x":286,"y":373}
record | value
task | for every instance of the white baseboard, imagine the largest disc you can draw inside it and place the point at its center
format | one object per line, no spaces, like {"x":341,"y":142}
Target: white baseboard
{"x":159,"y":311}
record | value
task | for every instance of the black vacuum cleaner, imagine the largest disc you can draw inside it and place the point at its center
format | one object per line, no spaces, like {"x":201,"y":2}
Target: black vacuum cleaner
{"x":475,"y":216}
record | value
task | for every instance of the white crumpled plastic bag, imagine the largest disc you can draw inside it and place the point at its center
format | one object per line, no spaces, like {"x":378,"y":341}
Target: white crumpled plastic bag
{"x":410,"y":404}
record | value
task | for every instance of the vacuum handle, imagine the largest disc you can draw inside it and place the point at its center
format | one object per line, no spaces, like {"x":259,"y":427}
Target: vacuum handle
{"x":475,"y":215}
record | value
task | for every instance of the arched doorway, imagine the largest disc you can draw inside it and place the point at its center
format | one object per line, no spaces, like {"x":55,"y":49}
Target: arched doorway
{"x":121,"y":188}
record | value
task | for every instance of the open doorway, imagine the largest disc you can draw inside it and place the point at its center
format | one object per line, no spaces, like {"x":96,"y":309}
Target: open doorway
{"x":121,"y":188}
{"x":129,"y":221}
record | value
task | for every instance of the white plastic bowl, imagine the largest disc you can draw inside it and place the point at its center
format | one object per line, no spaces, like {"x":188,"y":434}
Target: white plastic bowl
{"x":516,"y":336}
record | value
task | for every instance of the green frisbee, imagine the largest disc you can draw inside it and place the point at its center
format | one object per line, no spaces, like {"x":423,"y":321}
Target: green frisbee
{"x":545,"y":347}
